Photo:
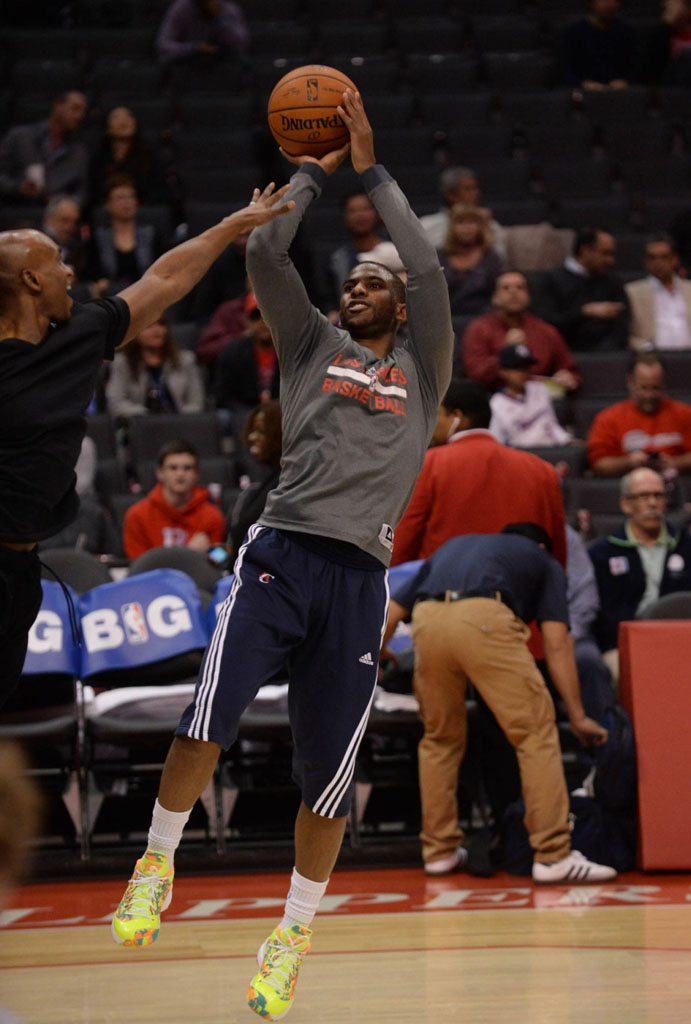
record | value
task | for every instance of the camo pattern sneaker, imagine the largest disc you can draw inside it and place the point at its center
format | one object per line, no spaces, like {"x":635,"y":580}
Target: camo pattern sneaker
{"x":137,"y":920}
{"x":270,"y":994}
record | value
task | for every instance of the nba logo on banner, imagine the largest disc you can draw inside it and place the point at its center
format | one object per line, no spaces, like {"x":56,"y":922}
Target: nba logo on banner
{"x":134,"y":623}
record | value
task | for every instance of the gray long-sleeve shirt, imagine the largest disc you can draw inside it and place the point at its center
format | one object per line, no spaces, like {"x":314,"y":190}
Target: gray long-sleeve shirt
{"x":355,"y":427}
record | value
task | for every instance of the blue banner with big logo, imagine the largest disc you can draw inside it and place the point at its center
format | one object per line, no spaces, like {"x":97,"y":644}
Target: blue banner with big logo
{"x":139,"y":620}
{"x":52,"y":647}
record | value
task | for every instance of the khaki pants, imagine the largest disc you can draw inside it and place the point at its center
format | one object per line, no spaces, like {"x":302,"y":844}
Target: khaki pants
{"x":482,"y":639}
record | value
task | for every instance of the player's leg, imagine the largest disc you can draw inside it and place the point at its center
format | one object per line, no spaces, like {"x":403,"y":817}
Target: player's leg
{"x":440,"y":688}
{"x":255,"y":629}
{"x":20,"y":600}
{"x":333,"y":676}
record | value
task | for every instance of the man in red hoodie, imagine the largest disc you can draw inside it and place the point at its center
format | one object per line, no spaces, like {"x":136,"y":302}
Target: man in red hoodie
{"x":176,"y":512}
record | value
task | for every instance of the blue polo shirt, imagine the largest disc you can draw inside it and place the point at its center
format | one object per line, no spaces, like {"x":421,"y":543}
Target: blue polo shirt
{"x":531,"y":581}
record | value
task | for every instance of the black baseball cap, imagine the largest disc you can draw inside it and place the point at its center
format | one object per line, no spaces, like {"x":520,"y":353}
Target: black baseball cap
{"x":516,"y":357}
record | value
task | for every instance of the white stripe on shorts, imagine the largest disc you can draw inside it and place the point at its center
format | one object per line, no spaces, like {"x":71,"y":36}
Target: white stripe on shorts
{"x":210,"y":678}
{"x":327,"y":803}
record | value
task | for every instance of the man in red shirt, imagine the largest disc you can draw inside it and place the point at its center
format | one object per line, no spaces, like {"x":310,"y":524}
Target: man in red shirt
{"x":474,"y":484}
{"x":176,"y":513}
{"x":510,"y":323}
{"x":647,"y":429}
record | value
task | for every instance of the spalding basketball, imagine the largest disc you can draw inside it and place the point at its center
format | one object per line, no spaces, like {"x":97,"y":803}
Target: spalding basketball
{"x":302,"y":110}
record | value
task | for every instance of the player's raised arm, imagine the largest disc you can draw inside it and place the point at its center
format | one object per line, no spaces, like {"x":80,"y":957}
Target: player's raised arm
{"x":175,"y":273}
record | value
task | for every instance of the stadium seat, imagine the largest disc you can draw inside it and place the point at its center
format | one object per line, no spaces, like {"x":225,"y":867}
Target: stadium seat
{"x":611,"y":213}
{"x":584,"y":411}
{"x":211,"y":111}
{"x":597,"y":494}
{"x":630,"y":251}
{"x":546,"y":107}
{"x":148,"y":433}
{"x":136,"y":43}
{"x":618,"y":106}
{"x":571,"y":139}
{"x":487,"y":142}
{"x":428,"y":34}
{"x":226,"y":78}
{"x":127,"y":75}
{"x":60,"y":43}
{"x":669,"y":606}
{"x":284,"y":37}
{"x":651,"y":137}
{"x":193,"y":563}
{"x":390,"y":111}
{"x":520,"y":211}
{"x":99,"y":427}
{"x":504,"y":32}
{"x":437,"y":70}
{"x":588,"y":178}
{"x":657,"y":176}
{"x":80,"y":570}
{"x":529,"y":69}
{"x":154,"y":114}
{"x":603,"y":374}
{"x":45,"y":77}
{"x":442,"y":111}
{"x":359,"y":37}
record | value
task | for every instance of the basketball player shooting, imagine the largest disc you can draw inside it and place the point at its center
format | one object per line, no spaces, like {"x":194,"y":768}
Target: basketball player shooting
{"x":310,"y":588}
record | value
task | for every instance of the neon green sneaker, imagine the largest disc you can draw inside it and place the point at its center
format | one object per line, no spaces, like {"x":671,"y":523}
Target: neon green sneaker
{"x":137,"y":920}
{"x":271,"y":990}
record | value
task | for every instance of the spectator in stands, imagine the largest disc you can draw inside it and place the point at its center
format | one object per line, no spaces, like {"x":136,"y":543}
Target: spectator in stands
{"x":639,"y":562}
{"x":522,"y":412}
{"x":45,"y":159}
{"x":247,"y":368}
{"x":599,"y":51}
{"x":647,"y":429}
{"x":661,"y":302}
{"x":668,"y":45}
{"x":363,"y":224}
{"x":153,"y":375}
{"x":460,"y":185}
{"x":124,"y":249}
{"x":177,"y":512}
{"x":470,"y":603}
{"x":584,"y":299}
{"x":510,"y":323}
{"x":62,"y":222}
{"x":122,"y":150}
{"x":470,"y":264}
{"x":474,"y":484}
{"x":583,"y":601}
{"x":202,"y":29}
{"x":263,"y":437}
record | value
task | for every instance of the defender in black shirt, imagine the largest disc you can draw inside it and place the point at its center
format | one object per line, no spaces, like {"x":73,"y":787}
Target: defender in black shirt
{"x":50,"y":353}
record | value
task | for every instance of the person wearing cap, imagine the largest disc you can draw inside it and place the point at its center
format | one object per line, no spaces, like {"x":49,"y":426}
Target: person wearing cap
{"x":247,"y":368}
{"x":522,"y":412}
{"x":470,"y":604}
{"x":510,"y":323}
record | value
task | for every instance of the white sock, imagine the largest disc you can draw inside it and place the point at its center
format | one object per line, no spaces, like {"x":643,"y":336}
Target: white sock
{"x":303,"y":900}
{"x":166,"y":830}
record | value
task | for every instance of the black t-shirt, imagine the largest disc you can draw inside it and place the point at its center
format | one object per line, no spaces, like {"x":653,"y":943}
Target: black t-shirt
{"x":532,"y":581}
{"x":44,"y":393}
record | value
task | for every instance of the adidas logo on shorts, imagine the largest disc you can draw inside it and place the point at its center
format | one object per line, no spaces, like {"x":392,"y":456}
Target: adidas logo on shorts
{"x":366,"y":659}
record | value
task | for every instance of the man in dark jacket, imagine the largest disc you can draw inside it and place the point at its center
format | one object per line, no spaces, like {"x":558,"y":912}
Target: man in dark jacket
{"x":584,"y":299}
{"x":640,"y":561}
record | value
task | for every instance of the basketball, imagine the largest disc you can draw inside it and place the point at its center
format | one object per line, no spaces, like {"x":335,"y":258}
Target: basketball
{"x":302,"y":110}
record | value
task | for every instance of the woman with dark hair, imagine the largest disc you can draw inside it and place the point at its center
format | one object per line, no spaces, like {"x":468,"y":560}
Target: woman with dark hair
{"x":123,"y":249}
{"x":122,"y":150}
{"x":263,"y":439}
{"x":154,"y":375}
{"x":470,"y":264}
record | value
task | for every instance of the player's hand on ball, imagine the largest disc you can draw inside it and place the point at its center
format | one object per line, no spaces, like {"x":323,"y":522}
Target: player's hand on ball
{"x":264,"y":206}
{"x":328,"y":163}
{"x":361,"y":137}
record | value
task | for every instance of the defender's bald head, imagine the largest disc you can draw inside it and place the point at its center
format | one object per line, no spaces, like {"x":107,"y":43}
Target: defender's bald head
{"x":23,"y":249}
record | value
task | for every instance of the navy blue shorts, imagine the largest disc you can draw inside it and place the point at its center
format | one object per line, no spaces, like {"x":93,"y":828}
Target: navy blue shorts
{"x":324,"y":621}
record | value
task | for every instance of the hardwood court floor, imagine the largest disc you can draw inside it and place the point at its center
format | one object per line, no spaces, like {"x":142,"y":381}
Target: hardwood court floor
{"x":389,"y":946}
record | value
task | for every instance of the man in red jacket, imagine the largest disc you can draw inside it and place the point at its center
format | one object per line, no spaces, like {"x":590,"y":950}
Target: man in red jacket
{"x":176,"y":513}
{"x":510,"y":323}
{"x":474,"y":484}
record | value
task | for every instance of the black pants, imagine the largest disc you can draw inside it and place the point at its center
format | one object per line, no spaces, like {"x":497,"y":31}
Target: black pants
{"x":20,"y":600}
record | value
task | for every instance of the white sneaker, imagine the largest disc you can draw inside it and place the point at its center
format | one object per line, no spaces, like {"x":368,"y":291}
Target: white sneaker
{"x":573,"y":869}
{"x":457,"y":860}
